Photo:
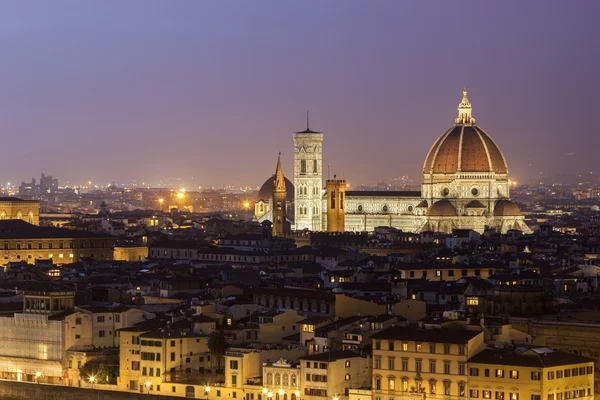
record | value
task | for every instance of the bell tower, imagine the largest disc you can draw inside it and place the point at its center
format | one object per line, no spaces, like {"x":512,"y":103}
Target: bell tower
{"x":280,"y":225}
{"x":336,"y":193}
{"x":308,"y":178}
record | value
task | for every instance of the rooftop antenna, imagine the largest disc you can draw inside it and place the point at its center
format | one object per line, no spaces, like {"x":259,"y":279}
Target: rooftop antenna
{"x":307,"y":123}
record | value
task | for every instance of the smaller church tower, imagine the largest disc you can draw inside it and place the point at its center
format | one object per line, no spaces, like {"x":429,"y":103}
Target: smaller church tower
{"x":280,"y":225}
{"x":336,"y":193}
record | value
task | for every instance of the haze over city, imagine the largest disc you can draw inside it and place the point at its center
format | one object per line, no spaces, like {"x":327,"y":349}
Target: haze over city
{"x":151,"y":90}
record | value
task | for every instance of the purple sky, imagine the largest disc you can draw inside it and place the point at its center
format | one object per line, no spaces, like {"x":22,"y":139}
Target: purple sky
{"x":117,"y":90}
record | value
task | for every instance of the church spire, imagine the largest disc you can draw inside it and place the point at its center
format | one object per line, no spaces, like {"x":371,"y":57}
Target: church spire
{"x":279,"y":178}
{"x":464,"y":110}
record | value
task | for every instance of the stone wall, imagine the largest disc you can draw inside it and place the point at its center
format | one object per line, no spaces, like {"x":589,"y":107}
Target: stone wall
{"x":31,"y":391}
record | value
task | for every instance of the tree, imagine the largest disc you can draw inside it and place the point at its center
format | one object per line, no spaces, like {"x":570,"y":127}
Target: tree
{"x":218,"y":345}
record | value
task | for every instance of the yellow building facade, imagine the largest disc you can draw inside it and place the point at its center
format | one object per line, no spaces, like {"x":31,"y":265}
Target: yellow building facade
{"x":15,"y":208}
{"x":530,"y":374}
{"x":409,"y":362}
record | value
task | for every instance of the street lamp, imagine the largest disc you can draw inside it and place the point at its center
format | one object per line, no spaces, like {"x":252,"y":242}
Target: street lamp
{"x":297,"y":393}
{"x":280,"y":392}
{"x":270,"y":394}
{"x":264,"y":390}
{"x":38,"y":375}
{"x":149,"y":386}
{"x":92,"y":379}
{"x":207,"y":391}
{"x":161,"y":201}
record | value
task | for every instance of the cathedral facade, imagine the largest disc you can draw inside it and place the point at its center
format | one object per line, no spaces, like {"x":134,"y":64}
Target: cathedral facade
{"x":465,"y":184}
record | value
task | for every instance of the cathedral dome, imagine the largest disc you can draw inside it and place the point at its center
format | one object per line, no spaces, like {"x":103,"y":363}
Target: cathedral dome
{"x":506,"y":208}
{"x":442,"y":208}
{"x":465,"y":148}
{"x":266,"y":190}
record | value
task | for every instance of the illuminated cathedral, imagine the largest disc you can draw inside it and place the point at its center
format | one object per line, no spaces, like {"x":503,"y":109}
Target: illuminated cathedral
{"x":465,"y":184}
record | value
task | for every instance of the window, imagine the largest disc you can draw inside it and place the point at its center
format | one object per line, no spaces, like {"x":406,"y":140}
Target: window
{"x":78,"y":321}
{"x":486,"y":394}
{"x":117,"y":317}
{"x":332,"y":200}
{"x":405,"y":385}
{"x":377,"y":345}
{"x":514,"y":396}
{"x":535,"y":376}
{"x":377,"y":362}
{"x":461,"y":368}
{"x":303,"y":166}
{"x":474,"y":371}
{"x":101,"y":333}
{"x":446,"y":388}
{"x":550,"y":396}
{"x":550,"y":375}
{"x":499,"y":395}
{"x":499,"y":373}
{"x":447,"y":367}
{"x":446,"y":349}
{"x":378,"y":383}
{"x":391,"y":363}
{"x":432,"y":348}
{"x":473,"y":393}
{"x":514,"y":374}
{"x":391,"y":384}
{"x":419,"y":348}
{"x":418,"y":365}
{"x":536,"y":397}
{"x":172,"y":356}
{"x":347,"y":377}
{"x":432,"y":386}
{"x":144,"y":371}
{"x":391,"y":345}
{"x":234,"y":380}
{"x":567,"y":373}
{"x":486,"y":372}
{"x":462,"y":350}
{"x":135,"y":365}
{"x":100,"y":318}
{"x":233,"y":364}
{"x":432,"y":366}
{"x":405,"y":364}
{"x":404,"y":346}
{"x":461,"y":389}
{"x":172,"y":343}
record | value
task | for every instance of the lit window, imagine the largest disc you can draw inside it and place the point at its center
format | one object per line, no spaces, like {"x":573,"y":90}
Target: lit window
{"x":473,"y":301}
{"x":404,"y":346}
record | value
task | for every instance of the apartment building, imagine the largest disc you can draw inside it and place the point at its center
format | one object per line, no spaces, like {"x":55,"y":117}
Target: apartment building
{"x":414,"y":362}
{"x":530,"y":374}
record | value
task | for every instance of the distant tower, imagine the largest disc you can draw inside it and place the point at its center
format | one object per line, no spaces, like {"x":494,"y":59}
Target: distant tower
{"x":336,"y":199}
{"x":308,"y":178}
{"x":280,"y":226}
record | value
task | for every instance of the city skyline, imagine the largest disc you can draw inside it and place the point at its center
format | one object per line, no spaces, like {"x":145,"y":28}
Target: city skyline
{"x":214,"y":91}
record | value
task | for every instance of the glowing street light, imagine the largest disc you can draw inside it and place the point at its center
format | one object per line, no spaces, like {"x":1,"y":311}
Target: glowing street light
{"x":246,"y":205}
{"x":280,"y":392}
{"x":264,"y":390}
{"x":38,"y":374}
{"x":148,"y":384}
{"x":207,"y":389}
{"x":270,"y":394}
{"x":297,"y":393}
{"x":180,"y":195}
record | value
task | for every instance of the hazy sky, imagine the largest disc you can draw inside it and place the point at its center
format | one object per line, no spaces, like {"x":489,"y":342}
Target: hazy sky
{"x":124,"y":89}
